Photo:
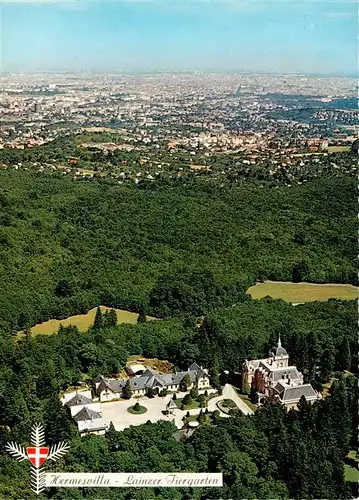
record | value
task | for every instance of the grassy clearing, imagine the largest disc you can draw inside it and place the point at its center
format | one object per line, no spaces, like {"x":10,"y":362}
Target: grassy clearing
{"x":194,"y":418}
{"x":298,"y":155}
{"x":199,"y":167}
{"x":326,"y":388}
{"x":353,"y":455}
{"x":338,"y":149}
{"x":191,"y":418}
{"x":82,"y":321}
{"x":351,"y":474}
{"x":302,"y":292}
{"x":331,"y":149}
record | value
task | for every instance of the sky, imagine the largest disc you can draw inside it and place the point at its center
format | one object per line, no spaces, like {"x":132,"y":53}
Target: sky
{"x":303,"y":36}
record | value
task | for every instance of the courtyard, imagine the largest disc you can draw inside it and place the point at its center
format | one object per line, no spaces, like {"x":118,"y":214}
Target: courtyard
{"x":117,"y":411}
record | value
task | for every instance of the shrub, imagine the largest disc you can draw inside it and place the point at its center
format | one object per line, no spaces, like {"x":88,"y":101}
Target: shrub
{"x":126,"y":391}
{"x":185,"y":383}
{"x":246,"y":388}
{"x":150,"y":393}
{"x":228,"y":403}
{"x":201,"y":398}
{"x":194,"y":393}
{"x":187,"y":400}
{"x":201,"y":419}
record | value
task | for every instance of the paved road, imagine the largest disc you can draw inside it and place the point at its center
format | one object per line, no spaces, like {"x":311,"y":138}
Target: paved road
{"x":230,"y":393}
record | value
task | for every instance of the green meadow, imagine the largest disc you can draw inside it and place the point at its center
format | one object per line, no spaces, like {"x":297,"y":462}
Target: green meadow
{"x":82,"y":321}
{"x":302,"y":292}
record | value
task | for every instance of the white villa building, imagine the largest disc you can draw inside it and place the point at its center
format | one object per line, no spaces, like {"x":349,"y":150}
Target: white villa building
{"x":274,"y":379}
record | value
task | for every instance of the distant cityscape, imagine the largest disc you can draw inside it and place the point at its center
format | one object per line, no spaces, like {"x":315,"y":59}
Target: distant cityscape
{"x":138,"y":127}
{"x":215,"y":111}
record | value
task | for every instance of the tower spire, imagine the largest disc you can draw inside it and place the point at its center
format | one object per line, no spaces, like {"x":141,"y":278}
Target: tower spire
{"x":279,"y":342}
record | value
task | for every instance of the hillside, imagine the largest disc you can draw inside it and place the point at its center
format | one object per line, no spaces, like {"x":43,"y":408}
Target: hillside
{"x":67,"y":246}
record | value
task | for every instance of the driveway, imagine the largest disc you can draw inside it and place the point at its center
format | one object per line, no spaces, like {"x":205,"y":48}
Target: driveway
{"x":230,"y":393}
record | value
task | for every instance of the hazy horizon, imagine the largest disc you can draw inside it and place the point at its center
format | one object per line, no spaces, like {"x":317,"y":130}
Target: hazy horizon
{"x":309,"y":38}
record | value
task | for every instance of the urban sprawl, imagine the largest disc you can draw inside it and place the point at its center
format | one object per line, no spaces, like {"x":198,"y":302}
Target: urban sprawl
{"x":137,"y":128}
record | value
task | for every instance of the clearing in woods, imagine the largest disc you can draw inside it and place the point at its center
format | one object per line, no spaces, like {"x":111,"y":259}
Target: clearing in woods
{"x":302,"y":292}
{"x":351,"y":474}
{"x":338,"y":149}
{"x":82,"y":321}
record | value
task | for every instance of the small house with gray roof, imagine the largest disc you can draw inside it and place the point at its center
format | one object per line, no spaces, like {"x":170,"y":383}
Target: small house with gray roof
{"x":274,"y":379}
{"x":90,"y":421}
{"x":78,"y":402}
{"x":86,"y":413}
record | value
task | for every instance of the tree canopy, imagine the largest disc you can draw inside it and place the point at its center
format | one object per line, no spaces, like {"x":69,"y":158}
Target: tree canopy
{"x":185,"y":249}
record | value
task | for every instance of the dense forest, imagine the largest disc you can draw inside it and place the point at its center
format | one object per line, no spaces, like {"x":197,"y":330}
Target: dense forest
{"x":273,"y":454}
{"x":179,"y":251}
{"x":67,"y":246}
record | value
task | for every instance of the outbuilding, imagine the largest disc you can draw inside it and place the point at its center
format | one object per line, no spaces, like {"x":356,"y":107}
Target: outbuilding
{"x":135,"y":369}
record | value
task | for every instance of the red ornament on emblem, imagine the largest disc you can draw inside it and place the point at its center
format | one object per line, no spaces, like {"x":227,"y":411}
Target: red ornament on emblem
{"x":37,"y":456}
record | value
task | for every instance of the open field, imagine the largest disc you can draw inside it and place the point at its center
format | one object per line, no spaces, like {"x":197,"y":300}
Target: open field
{"x":338,"y":149}
{"x":307,"y":154}
{"x":82,"y":321}
{"x":199,"y":167}
{"x":302,"y":292}
{"x":331,"y":149}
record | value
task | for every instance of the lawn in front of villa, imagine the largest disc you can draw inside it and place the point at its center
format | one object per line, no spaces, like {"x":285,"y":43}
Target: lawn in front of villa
{"x":194,"y":418}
